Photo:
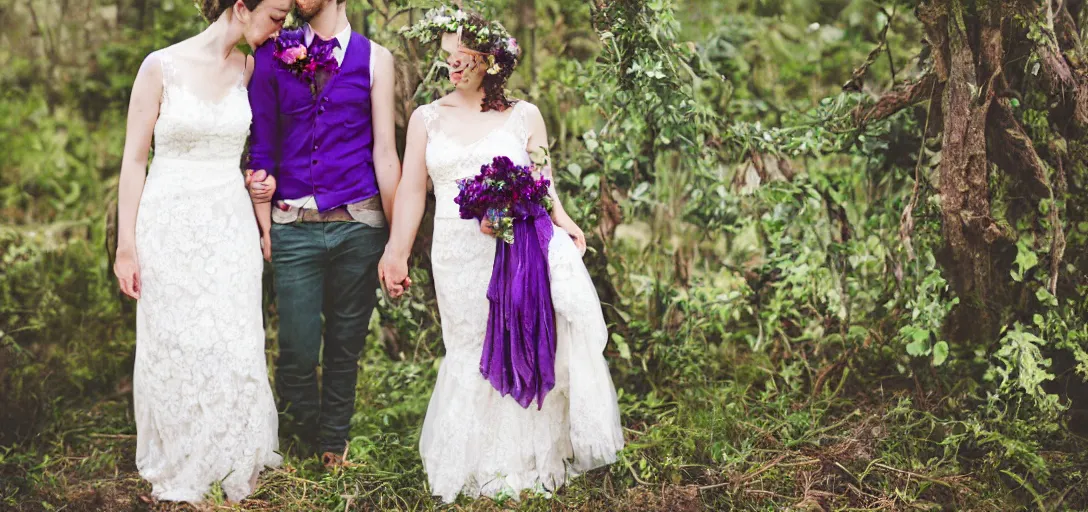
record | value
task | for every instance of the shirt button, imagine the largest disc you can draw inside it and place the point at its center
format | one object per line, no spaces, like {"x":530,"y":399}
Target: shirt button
{"x":325,"y":99}
{"x":321,"y":110}
{"x":315,"y":147}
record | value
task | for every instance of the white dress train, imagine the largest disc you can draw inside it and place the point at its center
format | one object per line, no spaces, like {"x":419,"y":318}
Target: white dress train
{"x":474,"y":441}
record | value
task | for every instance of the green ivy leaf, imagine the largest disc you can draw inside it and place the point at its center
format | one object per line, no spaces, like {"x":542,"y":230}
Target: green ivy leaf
{"x":1026,"y":259}
{"x":576,"y":170}
{"x":621,"y":344}
{"x":1045,"y":297}
{"x":940,"y":353}
{"x":918,"y":347}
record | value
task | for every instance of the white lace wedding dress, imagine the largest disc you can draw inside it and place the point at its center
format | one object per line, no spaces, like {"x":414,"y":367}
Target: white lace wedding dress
{"x":204,"y":408}
{"x":475,"y":441}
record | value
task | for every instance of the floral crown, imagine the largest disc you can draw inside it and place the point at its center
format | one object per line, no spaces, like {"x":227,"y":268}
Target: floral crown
{"x":477,"y":34}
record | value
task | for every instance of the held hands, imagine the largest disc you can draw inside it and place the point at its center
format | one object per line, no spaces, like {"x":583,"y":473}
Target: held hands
{"x":393,"y":275}
{"x":127,"y":270}
{"x":261,"y":185}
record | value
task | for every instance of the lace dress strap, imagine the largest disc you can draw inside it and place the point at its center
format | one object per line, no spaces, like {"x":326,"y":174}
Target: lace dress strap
{"x":166,"y":62}
{"x":242,"y":75}
{"x":519,"y":124}
{"x":430,"y":118}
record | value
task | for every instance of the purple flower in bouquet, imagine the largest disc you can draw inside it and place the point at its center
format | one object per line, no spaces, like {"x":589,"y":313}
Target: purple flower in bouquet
{"x":306,"y":62}
{"x":502,"y":193}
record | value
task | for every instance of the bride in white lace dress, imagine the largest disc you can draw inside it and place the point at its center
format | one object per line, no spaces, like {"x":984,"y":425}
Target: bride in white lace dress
{"x":474,"y":440}
{"x":189,"y":250}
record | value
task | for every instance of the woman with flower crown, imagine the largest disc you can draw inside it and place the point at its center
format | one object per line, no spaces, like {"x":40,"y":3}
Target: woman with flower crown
{"x":477,"y":438}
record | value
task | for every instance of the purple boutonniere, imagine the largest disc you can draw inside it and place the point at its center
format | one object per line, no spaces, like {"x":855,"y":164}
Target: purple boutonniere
{"x":306,"y":62}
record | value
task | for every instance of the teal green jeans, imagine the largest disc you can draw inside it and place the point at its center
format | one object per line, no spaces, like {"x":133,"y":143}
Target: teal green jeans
{"x":322,"y":270}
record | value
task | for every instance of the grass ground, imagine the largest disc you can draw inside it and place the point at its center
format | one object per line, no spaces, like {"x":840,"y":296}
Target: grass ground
{"x":733,"y":444}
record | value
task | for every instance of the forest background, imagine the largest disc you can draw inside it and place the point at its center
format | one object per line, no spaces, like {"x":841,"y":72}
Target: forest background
{"x":840,"y":246}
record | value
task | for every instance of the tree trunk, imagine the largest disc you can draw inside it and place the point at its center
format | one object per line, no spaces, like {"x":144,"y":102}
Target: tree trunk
{"x":966,"y":221}
{"x":526,"y":36}
{"x":971,"y":41}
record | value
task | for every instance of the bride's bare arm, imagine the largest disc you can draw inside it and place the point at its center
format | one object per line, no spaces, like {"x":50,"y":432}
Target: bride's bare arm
{"x":538,"y":138}
{"x":143,"y":112}
{"x":408,"y":207}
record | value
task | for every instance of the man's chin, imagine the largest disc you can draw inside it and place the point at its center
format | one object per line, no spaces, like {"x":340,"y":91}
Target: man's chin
{"x":305,"y":16}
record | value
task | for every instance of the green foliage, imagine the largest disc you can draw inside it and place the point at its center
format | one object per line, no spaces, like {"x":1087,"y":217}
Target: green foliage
{"x":774,"y":343}
{"x":928,"y":310}
{"x":61,"y":328}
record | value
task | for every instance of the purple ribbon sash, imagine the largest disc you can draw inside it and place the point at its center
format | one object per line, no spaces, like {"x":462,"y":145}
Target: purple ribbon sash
{"x":519,"y":350}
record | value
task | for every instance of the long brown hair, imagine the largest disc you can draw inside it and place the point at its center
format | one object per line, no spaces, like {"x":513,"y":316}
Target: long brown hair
{"x":213,"y":9}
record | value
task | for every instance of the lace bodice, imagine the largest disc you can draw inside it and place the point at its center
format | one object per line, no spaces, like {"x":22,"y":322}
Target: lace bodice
{"x":449,"y":160}
{"x":186,"y":131}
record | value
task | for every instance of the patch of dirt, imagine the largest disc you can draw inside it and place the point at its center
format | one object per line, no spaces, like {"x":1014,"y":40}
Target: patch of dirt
{"x":670,"y":498}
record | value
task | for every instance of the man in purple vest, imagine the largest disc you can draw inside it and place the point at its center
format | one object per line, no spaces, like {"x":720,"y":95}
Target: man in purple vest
{"x":325,"y":142}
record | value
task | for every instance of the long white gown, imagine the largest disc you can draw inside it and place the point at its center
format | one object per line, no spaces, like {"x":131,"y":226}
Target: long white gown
{"x":474,"y":441}
{"x":204,"y":408}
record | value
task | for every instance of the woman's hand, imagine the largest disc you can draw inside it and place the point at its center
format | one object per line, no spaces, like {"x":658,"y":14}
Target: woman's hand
{"x":127,"y":270}
{"x":487,"y":228}
{"x":261,"y":185}
{"x":574,"y":231}
{"x":266,"y":245}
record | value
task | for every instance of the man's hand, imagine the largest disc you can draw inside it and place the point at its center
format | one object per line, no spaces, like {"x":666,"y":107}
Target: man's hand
{"x":393,"y":274}
{"x":261,"y":185}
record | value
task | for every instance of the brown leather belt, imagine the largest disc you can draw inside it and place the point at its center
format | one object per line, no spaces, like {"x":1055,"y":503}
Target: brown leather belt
{"x":334,"y":215}
{"x":368,"y":211}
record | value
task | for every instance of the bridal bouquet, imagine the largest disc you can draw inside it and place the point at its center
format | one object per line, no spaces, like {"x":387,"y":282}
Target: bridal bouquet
{"x":502,"y":193}
{"x":519,"y":351}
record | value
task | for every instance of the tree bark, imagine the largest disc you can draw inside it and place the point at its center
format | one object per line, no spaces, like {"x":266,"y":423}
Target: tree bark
{"x":969,"y":44}
{"x":966,"y":221}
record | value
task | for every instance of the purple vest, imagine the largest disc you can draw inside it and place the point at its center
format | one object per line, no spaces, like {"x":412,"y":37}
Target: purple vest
{"x":320,"y":146}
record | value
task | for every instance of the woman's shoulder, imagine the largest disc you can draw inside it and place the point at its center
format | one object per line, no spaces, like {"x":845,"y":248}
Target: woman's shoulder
{"x":426,"y":113}
{"x":421,"y":109}
{"x":526,"y":106}
{"x":160,"y":56}
{"x":154,"y":62}
{"x":171,"y":56}
{"x":181,"y":49}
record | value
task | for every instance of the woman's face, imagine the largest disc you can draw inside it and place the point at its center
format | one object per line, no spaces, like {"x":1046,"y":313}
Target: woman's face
{"x":264,"y":21}
{"x":466,"y":66}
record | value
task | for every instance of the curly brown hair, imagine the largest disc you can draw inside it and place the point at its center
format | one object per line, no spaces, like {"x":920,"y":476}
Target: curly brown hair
{"x":213,"y":9}
{"x":500,"y":55}
{"x":496,"y":46}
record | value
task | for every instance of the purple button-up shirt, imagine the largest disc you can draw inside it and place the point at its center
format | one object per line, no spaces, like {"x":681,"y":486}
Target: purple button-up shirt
{"x":315,"y":145}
